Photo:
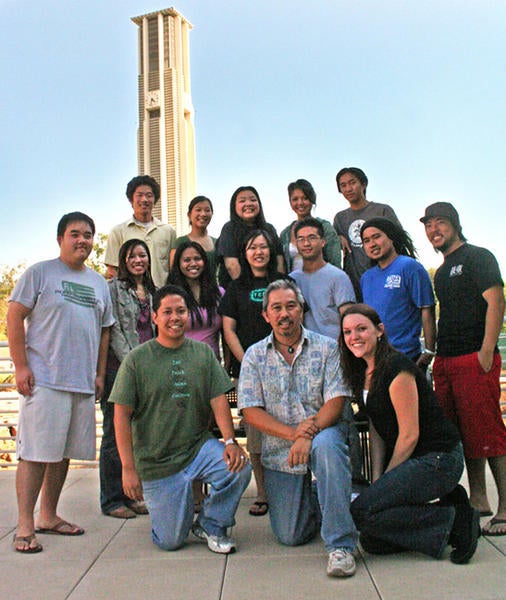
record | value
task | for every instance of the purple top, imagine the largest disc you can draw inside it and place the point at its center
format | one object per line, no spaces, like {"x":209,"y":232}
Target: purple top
{"x":144,"y":328}
{"x":209,"y":334}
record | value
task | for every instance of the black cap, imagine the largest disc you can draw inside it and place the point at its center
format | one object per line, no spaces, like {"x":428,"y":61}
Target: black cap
{"x":442,"y":209}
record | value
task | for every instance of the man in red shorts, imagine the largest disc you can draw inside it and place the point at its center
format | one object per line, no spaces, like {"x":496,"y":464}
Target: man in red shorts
{"x":467,"y":367}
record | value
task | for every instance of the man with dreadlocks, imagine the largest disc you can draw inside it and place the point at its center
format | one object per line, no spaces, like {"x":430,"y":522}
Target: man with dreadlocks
{"x":399,"y":289}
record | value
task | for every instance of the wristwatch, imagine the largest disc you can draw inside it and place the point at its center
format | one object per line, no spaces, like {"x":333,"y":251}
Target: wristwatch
{"x":231,"y":441}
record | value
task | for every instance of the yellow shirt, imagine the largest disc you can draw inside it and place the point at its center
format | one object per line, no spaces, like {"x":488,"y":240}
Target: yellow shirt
{"x":159,"y":238}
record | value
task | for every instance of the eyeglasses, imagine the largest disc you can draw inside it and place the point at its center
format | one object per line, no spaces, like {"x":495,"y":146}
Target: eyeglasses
{"x":312,"y":239}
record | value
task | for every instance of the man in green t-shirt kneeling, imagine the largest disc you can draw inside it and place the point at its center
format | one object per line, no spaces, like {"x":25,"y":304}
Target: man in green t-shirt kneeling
{"x":164,"y":394}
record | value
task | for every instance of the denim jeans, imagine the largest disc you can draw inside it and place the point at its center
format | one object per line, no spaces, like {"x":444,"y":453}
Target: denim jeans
{"x":296,"y":512}
{"x":394,"y":514}
{"x":111,"y":486}
{"x":170,"y":500}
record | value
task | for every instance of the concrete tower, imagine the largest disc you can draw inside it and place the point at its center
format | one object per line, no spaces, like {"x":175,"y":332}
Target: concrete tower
{"x":166,"y":138}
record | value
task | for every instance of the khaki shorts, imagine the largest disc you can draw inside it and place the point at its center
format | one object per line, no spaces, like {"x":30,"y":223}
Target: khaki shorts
{"x":54,"y":425}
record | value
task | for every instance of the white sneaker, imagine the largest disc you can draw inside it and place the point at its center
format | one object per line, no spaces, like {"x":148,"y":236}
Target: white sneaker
{"x":341,"y":563}
{"x":221,"y":544}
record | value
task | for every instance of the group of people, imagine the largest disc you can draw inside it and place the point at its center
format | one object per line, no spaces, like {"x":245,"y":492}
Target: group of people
{"x":302,"y":339}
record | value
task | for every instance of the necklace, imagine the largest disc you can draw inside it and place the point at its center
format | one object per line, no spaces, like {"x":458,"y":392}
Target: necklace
{"x":290,"y":347}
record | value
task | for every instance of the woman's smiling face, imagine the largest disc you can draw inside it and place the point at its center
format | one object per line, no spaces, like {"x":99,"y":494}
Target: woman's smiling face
{"x":247,"y":206}
{"x":191,"y":263}
{"x":137,"y":261}
{"x":258,"y":253}
{"x":361,"y":335}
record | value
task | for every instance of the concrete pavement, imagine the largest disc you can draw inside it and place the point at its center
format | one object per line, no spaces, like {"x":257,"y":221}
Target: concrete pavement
{"x":116,"y":559}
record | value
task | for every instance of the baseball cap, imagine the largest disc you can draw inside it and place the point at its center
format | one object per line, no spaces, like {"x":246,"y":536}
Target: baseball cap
{"x":442,"y":209}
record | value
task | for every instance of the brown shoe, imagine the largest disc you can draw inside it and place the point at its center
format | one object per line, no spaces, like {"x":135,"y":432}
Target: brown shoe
{"x":122,"y":512}
{"x":139,"y":508}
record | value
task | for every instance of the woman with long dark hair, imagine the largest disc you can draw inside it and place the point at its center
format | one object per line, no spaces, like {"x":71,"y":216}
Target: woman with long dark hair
{"x":200,"y":213}
{"x":131,"y":293}
{"x":246,"y":215}
{"x":243,"y":325}
{"x":417,"y":453}
{"x":191,"y":271}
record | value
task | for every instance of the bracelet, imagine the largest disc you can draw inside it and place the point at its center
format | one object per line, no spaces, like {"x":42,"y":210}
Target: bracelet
{"x":429,"y":352}
{"x":231,"y":441}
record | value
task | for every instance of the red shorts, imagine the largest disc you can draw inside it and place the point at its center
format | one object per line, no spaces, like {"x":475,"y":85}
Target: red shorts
{"x":470,"y":398}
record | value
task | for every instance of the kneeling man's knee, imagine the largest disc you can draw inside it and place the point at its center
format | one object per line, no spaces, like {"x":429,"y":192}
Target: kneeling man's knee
{"x":359,"y":512}
{"x":292,"y":538}
{"x":169,"y":542}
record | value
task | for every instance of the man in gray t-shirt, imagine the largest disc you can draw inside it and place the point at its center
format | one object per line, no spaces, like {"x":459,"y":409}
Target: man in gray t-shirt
{"x":324,"y":286}
{"x":352,"y":184}
{"x":325,"y":289}
{"x":60,"y":364}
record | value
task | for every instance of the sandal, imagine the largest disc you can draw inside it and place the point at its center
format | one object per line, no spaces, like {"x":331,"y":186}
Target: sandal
{"x":258,"y":508}
{"x":62,"y":527}
{"x":28,"y":548}
{"x":490,"y":530}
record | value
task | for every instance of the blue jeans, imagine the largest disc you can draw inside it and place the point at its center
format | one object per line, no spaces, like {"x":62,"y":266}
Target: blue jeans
{"x":393,"y":513}
{"x":170,"y":500}
{"x":111,"y":486}
{"x":296,"y":512}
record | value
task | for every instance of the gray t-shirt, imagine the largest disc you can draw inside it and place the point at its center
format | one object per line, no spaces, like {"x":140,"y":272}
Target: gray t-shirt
{"x":324,"y":291}
{"x":348,"y":223}
{"x":68,"y":311}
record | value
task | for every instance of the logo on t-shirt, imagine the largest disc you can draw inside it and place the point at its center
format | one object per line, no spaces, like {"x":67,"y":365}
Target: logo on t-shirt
{"x":77,"y":293}
{"x":257,"y":295}
{"x":393,"y":282}
{"x":179,"y":393}
{"x":354,"y":232}
{"x":456,"y":270}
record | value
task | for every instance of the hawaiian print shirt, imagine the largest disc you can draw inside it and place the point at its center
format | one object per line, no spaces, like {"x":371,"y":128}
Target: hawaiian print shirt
{"x":290,"y":393}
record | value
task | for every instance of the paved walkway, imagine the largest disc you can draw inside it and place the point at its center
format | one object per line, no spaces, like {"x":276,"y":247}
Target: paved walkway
{"x":116,"y":559}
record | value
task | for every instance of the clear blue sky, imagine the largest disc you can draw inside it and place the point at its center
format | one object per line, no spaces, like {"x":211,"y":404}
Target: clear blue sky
{"x":411,"y":91}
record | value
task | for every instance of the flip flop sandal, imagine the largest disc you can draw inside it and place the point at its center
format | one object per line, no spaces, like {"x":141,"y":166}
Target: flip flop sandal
{"x":61,"y":528}
{"x":259,"y":509}
{"x":491,"y":523}
{"x":26,"y":539}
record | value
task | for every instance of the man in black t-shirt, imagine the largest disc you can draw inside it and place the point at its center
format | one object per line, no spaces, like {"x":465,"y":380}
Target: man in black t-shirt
{"x":469,"y":288}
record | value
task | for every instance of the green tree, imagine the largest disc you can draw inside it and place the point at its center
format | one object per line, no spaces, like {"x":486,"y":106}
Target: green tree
{"x":96,"y":258}
{"x":8,"y":277}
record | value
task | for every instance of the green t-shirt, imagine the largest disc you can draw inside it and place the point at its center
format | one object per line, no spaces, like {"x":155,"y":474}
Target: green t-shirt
{"x":170,"y":392}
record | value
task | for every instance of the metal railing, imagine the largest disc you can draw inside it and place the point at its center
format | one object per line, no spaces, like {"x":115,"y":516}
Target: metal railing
{"x":9,"y":409}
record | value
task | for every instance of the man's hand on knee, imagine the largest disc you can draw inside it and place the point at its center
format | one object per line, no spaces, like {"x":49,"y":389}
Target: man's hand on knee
{"x":299,"y":452}
{"x":132,"y":485}
{"x":235,"y":458}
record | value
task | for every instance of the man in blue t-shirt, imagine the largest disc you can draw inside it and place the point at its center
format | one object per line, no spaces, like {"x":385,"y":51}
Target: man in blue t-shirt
{"x":399,"y":289}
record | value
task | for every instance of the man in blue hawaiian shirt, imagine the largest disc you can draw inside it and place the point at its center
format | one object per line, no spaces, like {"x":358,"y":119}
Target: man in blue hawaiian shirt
{"x":290,"y":388}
